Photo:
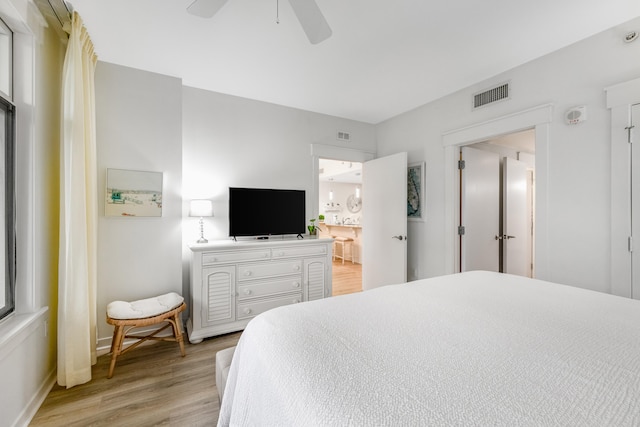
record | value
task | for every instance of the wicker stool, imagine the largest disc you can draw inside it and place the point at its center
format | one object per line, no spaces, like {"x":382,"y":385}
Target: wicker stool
{"x":343,"y":242}
{"x":126,"y":316}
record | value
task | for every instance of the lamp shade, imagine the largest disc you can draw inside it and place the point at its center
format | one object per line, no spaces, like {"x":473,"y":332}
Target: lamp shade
{"x":201,"y":208}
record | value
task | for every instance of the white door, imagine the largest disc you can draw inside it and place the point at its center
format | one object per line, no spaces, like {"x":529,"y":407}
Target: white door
{"x":384,"y":224}
{"x":515,"y":244}
{"x":635,"y":203}
{"x":480,"y":210}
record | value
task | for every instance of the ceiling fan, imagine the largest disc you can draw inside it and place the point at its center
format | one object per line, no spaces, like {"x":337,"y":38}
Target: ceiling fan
{"x":307,"y":12}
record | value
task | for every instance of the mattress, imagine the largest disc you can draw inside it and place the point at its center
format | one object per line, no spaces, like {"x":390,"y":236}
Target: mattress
{"x":470,"y":349}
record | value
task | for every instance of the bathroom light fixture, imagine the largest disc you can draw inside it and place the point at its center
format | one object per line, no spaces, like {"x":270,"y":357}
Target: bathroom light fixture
{"x":201,"y":208}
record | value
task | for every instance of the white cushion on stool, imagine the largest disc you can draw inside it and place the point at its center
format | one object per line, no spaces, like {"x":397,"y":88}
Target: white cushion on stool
{"x":145,"y":307}
{"x":223,"y":364}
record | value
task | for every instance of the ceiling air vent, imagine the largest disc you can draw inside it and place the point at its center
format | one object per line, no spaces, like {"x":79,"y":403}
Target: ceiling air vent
{"x":343,"y":136}
{"x":489,"y":96}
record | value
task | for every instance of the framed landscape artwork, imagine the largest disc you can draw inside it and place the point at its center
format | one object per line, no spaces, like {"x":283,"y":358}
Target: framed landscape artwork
{"x":133,"y":193}
{"x":415,"y":191}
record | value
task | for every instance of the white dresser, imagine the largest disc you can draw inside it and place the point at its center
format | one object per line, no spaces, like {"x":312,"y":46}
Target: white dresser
{"x":232,"y":282}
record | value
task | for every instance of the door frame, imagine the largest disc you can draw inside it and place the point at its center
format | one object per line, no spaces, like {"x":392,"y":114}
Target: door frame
{"x":538,"y":118}
{"x":620,"y":99}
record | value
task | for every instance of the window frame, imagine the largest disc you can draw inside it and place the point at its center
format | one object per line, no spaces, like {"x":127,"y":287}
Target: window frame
{"x":9,"y":65}
{"x":9,"y":208}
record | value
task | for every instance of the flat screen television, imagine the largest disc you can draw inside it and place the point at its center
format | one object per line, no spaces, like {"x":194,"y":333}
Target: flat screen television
{"x":263,"y":212}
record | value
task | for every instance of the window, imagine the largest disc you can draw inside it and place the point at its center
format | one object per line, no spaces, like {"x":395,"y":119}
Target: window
{"x":7,"y":179}
{"x":6,"y":56}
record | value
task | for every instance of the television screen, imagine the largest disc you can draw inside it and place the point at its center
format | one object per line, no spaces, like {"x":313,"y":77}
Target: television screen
{"x":265,"y":212}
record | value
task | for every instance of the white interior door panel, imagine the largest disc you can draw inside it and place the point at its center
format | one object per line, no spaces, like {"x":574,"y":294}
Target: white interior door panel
{"x":384,"y":227}
{"x":480,"y":210}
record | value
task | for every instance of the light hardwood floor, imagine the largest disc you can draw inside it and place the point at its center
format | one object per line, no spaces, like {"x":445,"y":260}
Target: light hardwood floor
{"x":152,"y":385}
{"x":346,"y":278}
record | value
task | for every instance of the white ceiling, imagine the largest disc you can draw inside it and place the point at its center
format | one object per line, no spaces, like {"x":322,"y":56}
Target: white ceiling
{"x":339,"y":171}
{"x":384,"y":57}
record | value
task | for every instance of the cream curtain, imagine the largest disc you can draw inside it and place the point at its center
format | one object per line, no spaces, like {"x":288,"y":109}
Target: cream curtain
{"x":77,"y":275}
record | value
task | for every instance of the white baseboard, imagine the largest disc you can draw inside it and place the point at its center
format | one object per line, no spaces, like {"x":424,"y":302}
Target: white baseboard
{"x":36,"y":401}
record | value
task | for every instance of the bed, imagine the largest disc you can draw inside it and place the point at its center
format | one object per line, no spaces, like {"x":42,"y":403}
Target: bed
{"x":474,"y":348}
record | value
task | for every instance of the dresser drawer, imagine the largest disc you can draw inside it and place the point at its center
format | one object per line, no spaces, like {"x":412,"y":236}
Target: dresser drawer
{"x":251,"y":308}
{"x":209,"y":258}
{"x":287,"y":252}
{"x":268,"y":269}
{"x":271,"y":287}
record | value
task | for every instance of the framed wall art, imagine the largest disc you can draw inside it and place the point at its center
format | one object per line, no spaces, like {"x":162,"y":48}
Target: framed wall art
{"x":133,"y":193}
{"x":416,"y":191}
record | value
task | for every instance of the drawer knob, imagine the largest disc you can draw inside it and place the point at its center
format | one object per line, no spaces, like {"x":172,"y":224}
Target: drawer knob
{"x":296,"y":301}
{"x":247,"y":291}
{"x":296,"y":268}
{"x":247,"y":311}
{"x":247,"y":273}
{"x":296,"y":284}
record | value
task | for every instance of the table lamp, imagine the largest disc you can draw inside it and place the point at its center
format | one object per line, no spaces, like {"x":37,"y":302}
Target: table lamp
{"x":201,"y":208}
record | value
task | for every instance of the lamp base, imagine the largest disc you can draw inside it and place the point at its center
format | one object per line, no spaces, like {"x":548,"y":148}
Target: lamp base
{"x":202,"y":239}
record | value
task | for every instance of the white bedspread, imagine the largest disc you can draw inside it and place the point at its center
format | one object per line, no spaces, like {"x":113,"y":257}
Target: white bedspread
{"x":472,"y":349}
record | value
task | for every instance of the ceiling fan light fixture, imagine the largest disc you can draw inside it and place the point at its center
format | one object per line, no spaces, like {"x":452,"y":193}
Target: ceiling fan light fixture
{"x":307,"y":11}
{"x":312,"y":20}
{"x":205,"y":8}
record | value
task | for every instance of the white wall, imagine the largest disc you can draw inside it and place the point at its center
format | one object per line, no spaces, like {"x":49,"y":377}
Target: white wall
{"x":341,"y":191}
{"x":230,"y":141}
{"x":579,"y":156}
{"x":204,"y":142}
{"x":139,"y":127}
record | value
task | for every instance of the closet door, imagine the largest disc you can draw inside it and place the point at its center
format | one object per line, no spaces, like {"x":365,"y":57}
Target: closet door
{"x":515,"y":243}
{"x":480,"y":210}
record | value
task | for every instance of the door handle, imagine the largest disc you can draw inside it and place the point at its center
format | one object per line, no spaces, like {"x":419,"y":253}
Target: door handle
{"x":504,"y":237}
{"x":399,"y":237}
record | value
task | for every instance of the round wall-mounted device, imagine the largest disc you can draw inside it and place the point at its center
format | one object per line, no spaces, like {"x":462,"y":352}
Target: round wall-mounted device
{"x":576,"y":115}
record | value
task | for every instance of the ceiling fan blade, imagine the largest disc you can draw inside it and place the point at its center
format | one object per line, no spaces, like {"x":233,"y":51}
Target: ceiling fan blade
{"x":205,"y":8}
{"x":312,"y":20}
